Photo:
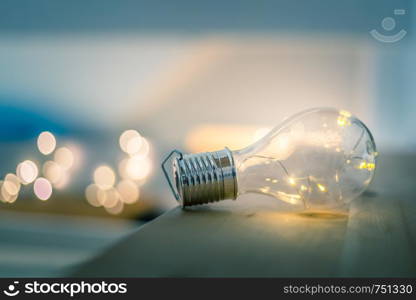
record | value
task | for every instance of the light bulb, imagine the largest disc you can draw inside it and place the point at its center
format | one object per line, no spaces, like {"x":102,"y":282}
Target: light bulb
{"x":320,"y":158}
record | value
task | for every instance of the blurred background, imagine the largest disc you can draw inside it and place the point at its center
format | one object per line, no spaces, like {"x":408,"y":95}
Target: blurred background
{"x":94,"y":94}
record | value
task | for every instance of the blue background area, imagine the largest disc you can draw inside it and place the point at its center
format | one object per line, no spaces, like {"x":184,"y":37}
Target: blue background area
{"x":354,"y":16}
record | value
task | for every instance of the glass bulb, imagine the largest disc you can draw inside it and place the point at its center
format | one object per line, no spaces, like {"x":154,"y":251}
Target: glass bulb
{"x":319,"y":158}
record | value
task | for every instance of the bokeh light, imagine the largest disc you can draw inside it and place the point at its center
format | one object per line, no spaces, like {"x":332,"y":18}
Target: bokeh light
{"x":129,"y":191}
{"x":122,"y":169}
{"x":27,"y":171}
{"x":42,"y":188}
{"x":62,"y":182}
{"x":11,"y":184}
{"x":135,"y":168}
{"x":46,"y":142}
{"x":5,"y":196}
{"x":115,"y":210}
{"x":101,"y":196}
{"x":144,"y":149}
{"x":104,"y":177}
{"x":77,"y":155}
{"x":1,"y":188}
{"x":138,"y":168}
{"x":64,"y":157}
{"x":56,"y":173}
{"x":52,"y":171}
{"x":109,"y":192}
{"x":91,"y":193}
{"x":108,"y":198}
{"x":130,"y":141}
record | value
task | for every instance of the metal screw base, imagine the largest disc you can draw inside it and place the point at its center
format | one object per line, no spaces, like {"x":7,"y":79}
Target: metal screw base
{"x":205,"y":177}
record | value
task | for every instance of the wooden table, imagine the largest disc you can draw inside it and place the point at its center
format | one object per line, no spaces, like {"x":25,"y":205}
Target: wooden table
{"x":261,"y":237}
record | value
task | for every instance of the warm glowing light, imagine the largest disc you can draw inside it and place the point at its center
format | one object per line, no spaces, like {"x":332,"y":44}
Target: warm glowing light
{"x":1,"y":188}
{"x":368,"y":166}
{"x":341,"y":121}
{"x":5,"y":196}
{"x":108,"y":198}
{"x":303,"y":187}
{"x":11,"y":184}
{"x":138,"y":168}
{"x":206,"y":138}
{"x":274,"y":181}
{"x":321,"y":187}
{"x":144,"y":149}
{"x":130,"y":141}
{"x":63,"y":181}
{"x":122,"y":169}
{"x":42,"y":188}
{"x":104,"y":177}
{"x":135,"y":168}
{"x":91,"y":193}
{"x":291,"y":181}
{"x":116,"y":209}
{"x":345,"y":113}
{"x":265,"y":189}
{"x":64,"y":157}
{"x":291,"y":198}
{"x":344,"y":118}
{"x":129,"y":191}
{"x":52,"y":171}
{"x":2,"y":199}
{"x":27,"y":171}
{"x":46,"y":142}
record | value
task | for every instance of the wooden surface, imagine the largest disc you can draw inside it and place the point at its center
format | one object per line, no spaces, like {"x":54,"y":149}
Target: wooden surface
{"x":261,"y":237}
{"x":45,"y":245}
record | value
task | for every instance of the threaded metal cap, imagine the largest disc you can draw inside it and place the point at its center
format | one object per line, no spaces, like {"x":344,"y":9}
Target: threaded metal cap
{"x":205,"y":177}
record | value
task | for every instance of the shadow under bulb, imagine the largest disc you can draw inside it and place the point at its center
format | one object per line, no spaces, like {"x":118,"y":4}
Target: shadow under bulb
{"x":320,"y":158}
